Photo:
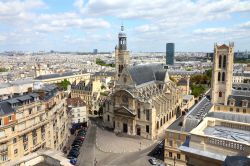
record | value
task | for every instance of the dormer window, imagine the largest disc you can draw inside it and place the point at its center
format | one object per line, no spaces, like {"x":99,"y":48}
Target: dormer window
{"x":244,"y":103}
{"x":232,"y":102}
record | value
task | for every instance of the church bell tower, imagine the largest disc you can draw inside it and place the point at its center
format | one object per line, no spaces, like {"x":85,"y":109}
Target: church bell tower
{"x":222,"y":73}
{"x":121,"y":53}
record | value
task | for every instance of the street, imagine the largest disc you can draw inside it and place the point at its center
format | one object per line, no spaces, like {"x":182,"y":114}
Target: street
{"x":90,"y":155}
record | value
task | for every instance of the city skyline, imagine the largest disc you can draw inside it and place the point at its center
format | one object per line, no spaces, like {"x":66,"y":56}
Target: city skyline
{"x":34,"y":25}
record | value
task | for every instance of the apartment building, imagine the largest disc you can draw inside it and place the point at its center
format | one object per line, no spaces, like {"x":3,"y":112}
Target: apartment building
{"x":89,"y":92}
{"x":31,"y":122}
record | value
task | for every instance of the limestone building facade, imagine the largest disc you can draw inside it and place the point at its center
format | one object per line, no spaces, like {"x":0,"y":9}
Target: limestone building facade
{"x":144,"y":100}
{"x":89,"y":92}
{"x":122,"y":58}
{"x":222,"y":73}
{"x":33,"y":121}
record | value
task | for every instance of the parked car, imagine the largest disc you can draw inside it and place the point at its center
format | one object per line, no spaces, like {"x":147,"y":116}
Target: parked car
{"x":73,"y":161}
{"x":161,"y":145}
{"x":153,"y":161}
{"x":74,"y":153}
{"x":76,"y":148}
{"x":70,"y":157}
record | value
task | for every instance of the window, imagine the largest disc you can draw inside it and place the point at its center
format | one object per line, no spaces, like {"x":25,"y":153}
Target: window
{"x":147,"y":114}
{"x":170,"y":154}
{"x":161,"y":122}
{"x":30,"y":111}
{"x":157,"y":126}
{"x":178,"y":156}
{"x":14,"y":140}
{"x":147,"y":128}
{"x":170,"y":143}
{"x":0,"y":121}
{"x":231,"y":109}
{"x":223,"y":76}
{"x":244,"y":110}
{"x":25,"y":146}
{"x":219,"y":76}
{"x":15,"y":151}
{"x":220,"y":60}
{"x":10,"y":118}
{"x":13,"y":128}
{"x":237,"y":110}
{"x":78,"y":115}
{"x":220,"y":94}
{"x":224,"y":61}
{"x":79,"y":120}
{"x":4,"y":157}
{"x":139,"y":113}
{"x":108,"y":118}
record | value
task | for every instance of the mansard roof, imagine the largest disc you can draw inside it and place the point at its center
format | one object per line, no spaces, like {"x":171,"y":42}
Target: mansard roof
{"x":239,"y":97}
{"x":141,"y":74}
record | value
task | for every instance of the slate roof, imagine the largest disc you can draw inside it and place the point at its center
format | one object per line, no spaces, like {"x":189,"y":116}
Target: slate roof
{"x":238,"y":100}
{"x":5,"y":108}
{"x":245,"y":118}
{"x":104,"y":74}
{"x":242,"y":86}
{"x":49,"y":76}
{"x":6,"y":105}
{"x":182,"y":81}
{"x":197,"y":113}
{"x":193,"y":118}
{"x":146,"y":73}
{"x":242,"y":74}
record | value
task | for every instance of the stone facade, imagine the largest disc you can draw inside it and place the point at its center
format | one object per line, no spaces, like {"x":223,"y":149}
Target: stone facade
{"x":222,"y":73}
{"x":122,"y":58}
{"x":31,"y":122}
{"x":144,"y":102}
{"x":89,"y":92}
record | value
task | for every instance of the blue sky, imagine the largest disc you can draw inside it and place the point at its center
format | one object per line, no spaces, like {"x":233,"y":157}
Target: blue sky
{"x":82,"y":25}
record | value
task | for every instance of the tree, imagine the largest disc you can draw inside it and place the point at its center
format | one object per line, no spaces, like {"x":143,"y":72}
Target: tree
{"x":197,"y":90}
{"x":64,"y":84}
{"x":3,"y":70}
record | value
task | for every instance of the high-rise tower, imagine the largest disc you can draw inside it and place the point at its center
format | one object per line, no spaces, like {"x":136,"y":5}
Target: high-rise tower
{"x":170,"y":53}
{"x":121,"y":53}
{"x":222,"y":73}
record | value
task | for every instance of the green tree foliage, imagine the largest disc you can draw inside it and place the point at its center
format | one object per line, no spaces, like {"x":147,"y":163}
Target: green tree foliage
{"x":197,"y":90}
{"x":102,"y":63}
{"x":3,"y":70}
{"x":64,"y":84}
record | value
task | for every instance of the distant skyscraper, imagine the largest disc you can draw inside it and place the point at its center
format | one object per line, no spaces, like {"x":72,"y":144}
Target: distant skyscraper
{"x":170,"y":53}
{"x":95,"y":51}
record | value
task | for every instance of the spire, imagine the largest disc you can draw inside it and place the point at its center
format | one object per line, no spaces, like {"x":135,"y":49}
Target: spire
{"x":122,"y":28}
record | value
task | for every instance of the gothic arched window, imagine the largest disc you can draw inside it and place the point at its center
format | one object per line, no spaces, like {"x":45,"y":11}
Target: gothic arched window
{"x":220,"y":94}
{"x":223,"y":76}
{"x":219,"y":76}
{"x":224,"y":61}
{"x":220,"y":60}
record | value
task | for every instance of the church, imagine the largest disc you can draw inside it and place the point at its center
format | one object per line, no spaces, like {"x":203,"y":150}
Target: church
{"x":144,"y":101}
